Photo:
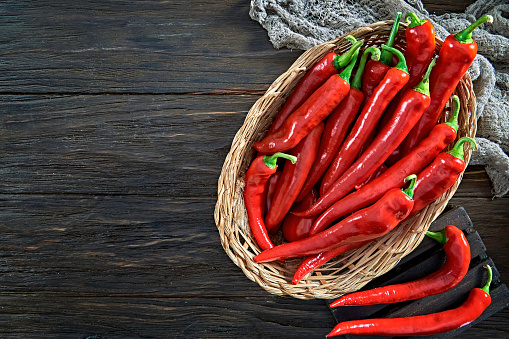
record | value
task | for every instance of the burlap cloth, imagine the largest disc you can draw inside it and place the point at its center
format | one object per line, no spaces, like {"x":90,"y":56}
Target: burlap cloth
{"x":300,"y":24}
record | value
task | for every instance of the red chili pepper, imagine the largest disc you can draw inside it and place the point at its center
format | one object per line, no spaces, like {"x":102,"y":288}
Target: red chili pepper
{"x":303,"y":120}
{"x":337,"y":124}
{"x":434,"y":323}
{"x":255,"y":194}
{"x":412,"y":105}
{"x":420,"y":46}
{"x":376,"y":69}
{"x":271,"y":188}
{"x":414,"y":162}
{"x":293,"y":178}
{"x":330,"y":64}
{"x":457,"y":250}
{"x":366,"y":224}
{"x":294,"y":227}
{"x":312,"y":262}
{"x":393,"y":81}
{"x":455,"y":57}
{"x":440,"y":175}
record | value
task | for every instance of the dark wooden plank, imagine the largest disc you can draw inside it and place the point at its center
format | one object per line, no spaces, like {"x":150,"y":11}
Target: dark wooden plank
{"x":141,"y":144}
{"x":135,"y":47}
{"x":99,"y":317}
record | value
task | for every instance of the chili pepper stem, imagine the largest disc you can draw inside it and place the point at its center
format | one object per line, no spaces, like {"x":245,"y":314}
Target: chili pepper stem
{"x":412,"y":20}
{"x":440,"y":236}
{"x":410,"y":190}
{"x":453,"y":121}
{"x":465,"y":36}
{"x":341,"y":61}
{"x":347,"y":71}
{"x":271,"y":160}
{"x":357,"y":79}
{"x":486,"y":288}
{"x":401,"y":65}
{"x":457,"y":150}
{"x":423,"y":86}
{"x":386,"y":56}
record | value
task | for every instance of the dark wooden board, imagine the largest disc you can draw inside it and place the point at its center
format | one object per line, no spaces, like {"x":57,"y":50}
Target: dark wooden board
{"x":115,"y":121}
{"x":424,"y":260}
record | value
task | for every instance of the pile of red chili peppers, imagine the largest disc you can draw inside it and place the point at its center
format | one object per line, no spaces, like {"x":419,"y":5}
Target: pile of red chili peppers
{"x":366,"y":152}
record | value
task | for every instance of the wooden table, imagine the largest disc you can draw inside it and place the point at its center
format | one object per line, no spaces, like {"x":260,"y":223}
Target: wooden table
{"x":116,"y":117}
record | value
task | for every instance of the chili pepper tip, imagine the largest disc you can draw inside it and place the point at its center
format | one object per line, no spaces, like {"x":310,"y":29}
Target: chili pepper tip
{"x":386,"y":57}
{"x":401,"y":65}
{"x":423,"y":86}
{"x":457,"y":150}
{"x":453,"y":120}
{"x":412,"y":20}
{"x":465,"y":36}
{"x":271,"y":160}
{"x":410,"y":190}
{"x":341,"y":61}
{"x":486,"y":288}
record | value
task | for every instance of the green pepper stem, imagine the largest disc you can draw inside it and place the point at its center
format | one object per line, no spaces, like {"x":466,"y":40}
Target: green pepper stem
{"x":457,"y":150}
{"x":386,"y":57}
{"x":341,"y":61}
{"x":465,"y":36}
{"x":401,"y":58}
{"x":412,"y":20}
{"x":375,"y":55}
{"x":271,"y":160}
{"x":347,"y":71}
{"x":453,"y":120}
{"x":486,"y":288}
{"x":440,"y":236}
{"x":411,"y":187}
{"x":423,"y":86}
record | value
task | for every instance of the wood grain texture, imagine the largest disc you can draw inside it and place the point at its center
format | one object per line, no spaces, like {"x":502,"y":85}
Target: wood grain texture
{"x":115,"y":121}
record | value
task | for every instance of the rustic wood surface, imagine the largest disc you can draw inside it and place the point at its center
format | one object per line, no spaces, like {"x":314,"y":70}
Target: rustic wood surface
{"x":116,"y":118}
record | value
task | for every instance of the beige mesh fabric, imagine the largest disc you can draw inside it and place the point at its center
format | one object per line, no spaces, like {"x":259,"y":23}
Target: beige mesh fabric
{"x":302,"y":24}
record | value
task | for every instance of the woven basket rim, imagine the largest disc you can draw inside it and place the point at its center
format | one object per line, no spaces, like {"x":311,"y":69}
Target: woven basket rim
{"x":356,"y":268}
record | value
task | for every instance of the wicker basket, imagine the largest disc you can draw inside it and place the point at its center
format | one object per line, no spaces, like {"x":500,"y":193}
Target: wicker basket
{"x":356,"y":268}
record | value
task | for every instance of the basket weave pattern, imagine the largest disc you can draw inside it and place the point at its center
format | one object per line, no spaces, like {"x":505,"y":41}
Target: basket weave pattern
{"x":356,"y":268}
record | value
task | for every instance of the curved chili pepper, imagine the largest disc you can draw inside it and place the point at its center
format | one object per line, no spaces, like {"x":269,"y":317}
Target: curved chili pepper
{"x":255,"y":194}
{"x":312,"y":262}
{"x":414,"y":162}
{"x":376,"y":69}
{"x":478,"y":300}
{"x":312,"y":112}
{"x":455,"y":57}
{"x":457,"y":251}
{"x":366,"y":224}
{"x":330,"y":64}
{"x":337,"y":124}
{"x":293,"y":178}
{"x":393,"y":81}
{"x":408,"y":112}
{"x":294,"y":227}
{"x":440,"y":175}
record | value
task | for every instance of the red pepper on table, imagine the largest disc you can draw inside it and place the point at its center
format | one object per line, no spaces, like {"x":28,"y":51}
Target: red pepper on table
{"x":440,"y":175}
{"x":414,"y":162}
{"x":455,"y":57}
{"x":312,"y":262}
{"x":376,"y":69}
{"x":412,"y":105}
{"x":366,"y":224}
{"x":478,"y":300}
{"x":337,"y":124}
{"x":330,"y":64}
{"x":366,"y":123}
{"x":457,"y":251}
{"x":293,"y":178}
{"x":294,"y":227}
{"x":305,"y":118}
{"x":255,"y":194}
